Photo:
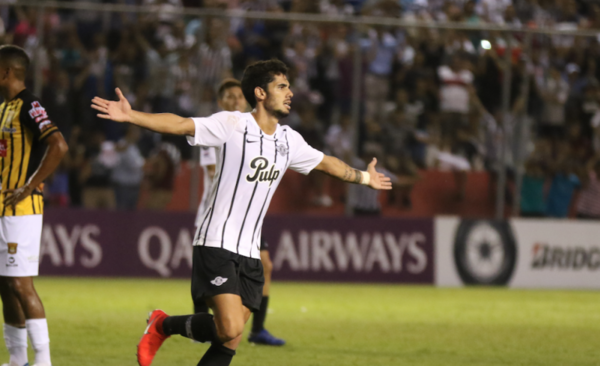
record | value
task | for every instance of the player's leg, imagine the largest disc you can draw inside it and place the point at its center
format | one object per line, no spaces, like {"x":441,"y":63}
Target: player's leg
{"x":15,"y":333}
{"x":258,"y":333}
{"x":22,"y":235}
{"x":215,"y":278}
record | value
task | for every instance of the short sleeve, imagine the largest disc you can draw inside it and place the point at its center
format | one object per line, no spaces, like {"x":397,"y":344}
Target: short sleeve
{"x":303,"y":157}
{"x":215,"y":130}
{"x":208,"y":156}
{"x":35,"y":118}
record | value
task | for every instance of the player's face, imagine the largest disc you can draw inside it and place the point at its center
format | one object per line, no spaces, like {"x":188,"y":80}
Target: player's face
{"x":279,"y":97}
{"x":233,"y":100}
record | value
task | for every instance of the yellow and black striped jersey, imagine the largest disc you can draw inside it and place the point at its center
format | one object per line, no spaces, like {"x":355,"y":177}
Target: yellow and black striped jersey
{"x":24,"y":124}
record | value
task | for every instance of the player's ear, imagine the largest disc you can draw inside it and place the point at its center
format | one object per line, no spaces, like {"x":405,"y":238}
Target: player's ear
{"x":259,"y":93}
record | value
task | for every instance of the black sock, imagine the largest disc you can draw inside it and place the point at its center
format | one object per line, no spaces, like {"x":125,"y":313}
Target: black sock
{"x":200,"y":327}
{"x":217,"y":355}
{"x":258,"y":322}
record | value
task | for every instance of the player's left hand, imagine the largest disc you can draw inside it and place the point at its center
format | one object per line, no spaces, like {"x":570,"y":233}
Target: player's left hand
{"x":14,"y":196}
{"x":378,"y":180}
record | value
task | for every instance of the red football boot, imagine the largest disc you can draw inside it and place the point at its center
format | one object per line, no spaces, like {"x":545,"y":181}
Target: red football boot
{"x":152,"y":339}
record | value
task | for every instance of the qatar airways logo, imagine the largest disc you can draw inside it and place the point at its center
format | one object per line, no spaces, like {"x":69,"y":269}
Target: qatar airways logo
{"x":262,"y":171}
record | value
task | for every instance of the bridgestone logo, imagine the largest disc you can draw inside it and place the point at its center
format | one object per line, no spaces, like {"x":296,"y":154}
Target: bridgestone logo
{"x":546,"y":256}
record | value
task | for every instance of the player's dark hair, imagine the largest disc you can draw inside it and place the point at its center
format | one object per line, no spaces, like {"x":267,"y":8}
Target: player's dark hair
{"x":227,"y":84}
{"x":260,"y":74}
{"x":16,"y":57}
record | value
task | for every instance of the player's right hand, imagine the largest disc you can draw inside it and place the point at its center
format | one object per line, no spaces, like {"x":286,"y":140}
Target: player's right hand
{"x":119,"y":111}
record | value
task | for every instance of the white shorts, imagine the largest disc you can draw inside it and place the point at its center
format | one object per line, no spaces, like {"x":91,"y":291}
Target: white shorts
{"x":20,"y":238}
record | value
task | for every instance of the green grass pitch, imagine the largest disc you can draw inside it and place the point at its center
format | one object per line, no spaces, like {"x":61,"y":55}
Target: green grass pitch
{"x":99,"y":321}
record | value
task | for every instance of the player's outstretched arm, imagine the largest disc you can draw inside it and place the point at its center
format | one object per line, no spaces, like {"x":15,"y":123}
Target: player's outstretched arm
{"x":337,"y":168}
{"x":120,"y":111}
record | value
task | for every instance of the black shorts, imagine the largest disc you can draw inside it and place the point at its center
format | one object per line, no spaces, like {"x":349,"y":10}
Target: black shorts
{"x":263,"y":244}
{"x":218,"y":271}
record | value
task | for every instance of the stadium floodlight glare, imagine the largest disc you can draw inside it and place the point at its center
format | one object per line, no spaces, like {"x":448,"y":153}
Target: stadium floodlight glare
{"x":485,"y":44}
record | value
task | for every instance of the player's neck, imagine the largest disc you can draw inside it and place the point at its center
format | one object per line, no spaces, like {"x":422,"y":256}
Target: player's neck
{"x":12,"y":90}
{"x":266,"y":121}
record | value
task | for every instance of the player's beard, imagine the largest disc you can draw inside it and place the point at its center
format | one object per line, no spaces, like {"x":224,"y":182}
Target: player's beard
{"x":278,"y":113}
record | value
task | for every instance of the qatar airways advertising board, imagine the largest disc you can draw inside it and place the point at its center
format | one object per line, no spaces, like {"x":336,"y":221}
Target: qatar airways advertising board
{"x":519,"y":253}
{"x":146,"y":244}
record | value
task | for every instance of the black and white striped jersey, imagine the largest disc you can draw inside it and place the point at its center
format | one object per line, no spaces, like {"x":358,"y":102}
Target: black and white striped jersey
{"x":249,"y":167}
{"x":208,"y":157}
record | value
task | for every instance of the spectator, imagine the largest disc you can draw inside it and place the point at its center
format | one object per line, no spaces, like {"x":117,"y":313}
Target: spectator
{"x":532,"y":190}
{"x":161,"y":169}
{"x":588,"y":205}
{"x":127,"y":174}
{"x":554,"y":91}
{"x":381,"y":48}
{"x":340,"y":138}
{"x":563,"y":185}
{"x":456,"y":84}
{"x":310,"y":129}
{"x":100,"y":157}
{"x":159,"y":63}
{"x":213,"y":56}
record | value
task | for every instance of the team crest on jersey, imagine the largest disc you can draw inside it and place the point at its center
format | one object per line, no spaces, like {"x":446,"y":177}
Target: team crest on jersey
{"x":37,"y":112}
{"x":282,"y":149}
{"x":218,"y":281}
{"x":262,"y":171}
{"x":12,"y":248}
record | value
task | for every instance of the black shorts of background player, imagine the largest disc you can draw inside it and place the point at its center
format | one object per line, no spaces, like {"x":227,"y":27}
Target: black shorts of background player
{"x":237,"y":288}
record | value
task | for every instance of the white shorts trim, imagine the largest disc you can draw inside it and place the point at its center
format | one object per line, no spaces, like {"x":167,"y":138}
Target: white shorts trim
{"x":20,"y":238}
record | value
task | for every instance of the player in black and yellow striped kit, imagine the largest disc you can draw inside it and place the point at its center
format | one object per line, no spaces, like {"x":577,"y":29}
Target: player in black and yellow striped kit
{"x":31,"y":147}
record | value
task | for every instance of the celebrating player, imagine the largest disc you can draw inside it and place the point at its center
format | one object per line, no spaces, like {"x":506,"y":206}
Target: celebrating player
{"x":231,"y":98}
{"x":31,"y":147}
{"x":253,"y":153}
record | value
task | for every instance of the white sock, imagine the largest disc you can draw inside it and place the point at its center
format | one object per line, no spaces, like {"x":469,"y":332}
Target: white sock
{"x":16,"y":342}
{"x":40,"y":341}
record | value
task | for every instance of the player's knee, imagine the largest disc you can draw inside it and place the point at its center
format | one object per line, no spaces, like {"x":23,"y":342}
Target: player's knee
{"x":230,"y":332}
{"x":17,"y":286}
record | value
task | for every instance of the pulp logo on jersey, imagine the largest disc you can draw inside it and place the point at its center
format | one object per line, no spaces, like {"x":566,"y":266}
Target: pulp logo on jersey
{"x":12,"y":248}
{"x":578,"y":258}
{"x":3,"y":146}
{"x":37,"y":112}
{"x":218,"y":281}
{"x":261,"y":171}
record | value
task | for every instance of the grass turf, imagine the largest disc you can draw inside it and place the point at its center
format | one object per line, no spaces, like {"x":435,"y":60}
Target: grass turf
{"x":99,"y":321}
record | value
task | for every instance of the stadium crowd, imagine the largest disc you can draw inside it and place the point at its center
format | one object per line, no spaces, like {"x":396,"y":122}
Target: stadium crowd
{"x":431,"y":99}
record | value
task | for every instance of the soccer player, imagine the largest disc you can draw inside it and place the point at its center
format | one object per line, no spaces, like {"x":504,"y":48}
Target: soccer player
{"x":31,"y":147}
{"x":231,"y":98}
{"x":253,"y":153}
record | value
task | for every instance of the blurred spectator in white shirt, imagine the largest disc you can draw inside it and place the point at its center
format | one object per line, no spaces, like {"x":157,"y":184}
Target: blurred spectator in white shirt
{"x":128,"y":171}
